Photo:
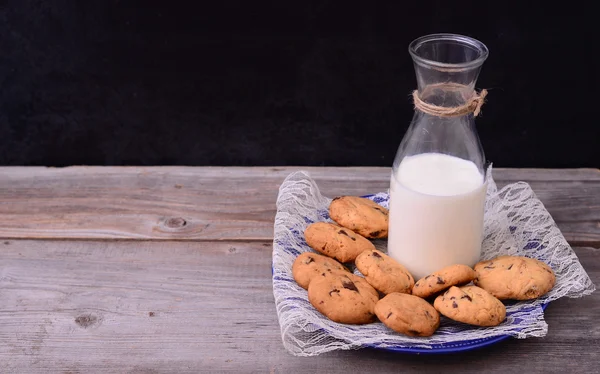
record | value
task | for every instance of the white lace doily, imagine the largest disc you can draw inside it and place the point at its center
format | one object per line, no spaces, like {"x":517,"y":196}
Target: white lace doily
{"x":516,"y":223}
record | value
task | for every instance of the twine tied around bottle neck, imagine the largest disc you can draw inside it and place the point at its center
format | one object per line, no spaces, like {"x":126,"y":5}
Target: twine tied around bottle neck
{"x":472,"y":104}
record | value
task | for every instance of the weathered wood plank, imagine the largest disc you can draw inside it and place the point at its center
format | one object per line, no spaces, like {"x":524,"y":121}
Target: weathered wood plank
{"x":214,"y":203}
{"x":178,"y":307}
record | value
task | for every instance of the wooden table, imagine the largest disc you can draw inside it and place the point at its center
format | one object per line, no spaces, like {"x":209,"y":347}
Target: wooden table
{"x":167,"y":269}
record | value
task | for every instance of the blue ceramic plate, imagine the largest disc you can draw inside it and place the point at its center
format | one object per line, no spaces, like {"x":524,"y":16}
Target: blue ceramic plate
{"x":456,"y":346}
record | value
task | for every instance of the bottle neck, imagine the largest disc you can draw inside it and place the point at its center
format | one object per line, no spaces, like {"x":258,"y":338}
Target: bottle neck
{"x":445,"y":87}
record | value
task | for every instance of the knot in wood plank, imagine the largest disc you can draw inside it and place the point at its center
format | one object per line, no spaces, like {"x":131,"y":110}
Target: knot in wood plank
{"x":175,"y":222}
{"x":87,"y":320}
{"x":178,"y":227}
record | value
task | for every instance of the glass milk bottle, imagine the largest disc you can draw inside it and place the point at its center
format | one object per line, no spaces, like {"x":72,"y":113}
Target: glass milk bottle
{"x":437,"y":189}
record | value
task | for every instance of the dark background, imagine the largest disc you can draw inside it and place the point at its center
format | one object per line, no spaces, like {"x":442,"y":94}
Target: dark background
{"x":283,"y":82}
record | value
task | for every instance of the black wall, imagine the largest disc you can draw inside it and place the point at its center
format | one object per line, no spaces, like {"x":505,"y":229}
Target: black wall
{"x":107,"y":82}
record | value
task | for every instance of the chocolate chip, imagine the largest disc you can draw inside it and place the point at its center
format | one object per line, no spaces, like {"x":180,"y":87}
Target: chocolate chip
{"x":388,"y":316}
{"x":323,"y":248}
{"x":375,"y":254}
{"x":334,"y":290}
{"x":310,"y":259}
{"x":342,"y":232}
{"x":454,"y":304}
{"x":440,"y":280}
{"x":466,"y":297}
{"x":453,"y":297}
{"x":427,"y":277}
{"x":329,"y":270}
{"x":375,"y":233}
{"x":336,"y":198}
{"x":349,"y":285}
{"x":323,"y":274}
{"x":489,"y":267}
{"x":427,"y":313}
{"x":510,"y":267}
{"x":321,"y":302}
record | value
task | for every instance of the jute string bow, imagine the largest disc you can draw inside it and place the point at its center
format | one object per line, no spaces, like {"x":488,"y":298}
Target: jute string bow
{"x":472,"y":104}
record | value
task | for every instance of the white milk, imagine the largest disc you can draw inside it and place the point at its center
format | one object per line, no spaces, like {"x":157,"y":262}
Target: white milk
{"x":436,"y":213}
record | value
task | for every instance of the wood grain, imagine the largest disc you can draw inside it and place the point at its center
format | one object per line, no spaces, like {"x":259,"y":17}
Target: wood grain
{"x":227,"y":203}
{"x":179,"y":307}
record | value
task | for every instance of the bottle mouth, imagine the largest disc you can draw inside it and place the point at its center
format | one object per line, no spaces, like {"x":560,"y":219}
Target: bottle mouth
{"x":449,"y":51}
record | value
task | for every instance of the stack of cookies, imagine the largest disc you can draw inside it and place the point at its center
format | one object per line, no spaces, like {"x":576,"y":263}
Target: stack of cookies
{"x":388,"y":291}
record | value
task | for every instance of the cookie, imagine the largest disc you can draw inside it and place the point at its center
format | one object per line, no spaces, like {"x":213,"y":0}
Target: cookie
{"x":360,"y":215}
{"x":445,"y":278}
{"x":514,"y":277}
{"x":343,"y":298}
{"x":384,"y":273}
{"x":407,"y":314}
{"x":335,"y":241}
{"x":472,"y":305}
{"x":309,"y":265}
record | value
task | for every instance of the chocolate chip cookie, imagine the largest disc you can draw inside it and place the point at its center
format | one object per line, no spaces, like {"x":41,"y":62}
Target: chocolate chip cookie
{"x":309,"y":265}
{"x":472,"y":305}
{"x":447,"y":277}
{"x":360,"y":215}
{"x":384,"y":273}
{"x":335,"y":241}
{"x":343,"y":298}
{"x":514,"y":277}
{"x":407,"y":314}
